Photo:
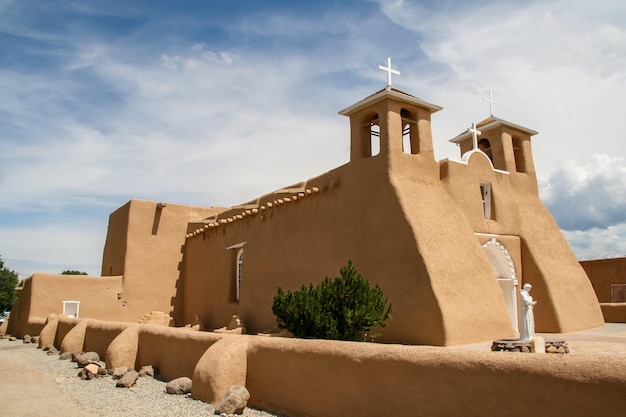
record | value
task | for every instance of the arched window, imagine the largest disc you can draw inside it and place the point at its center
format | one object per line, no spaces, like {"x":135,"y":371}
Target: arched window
{"x":485,"y":146}
{"x":239,"y":271}
{"x":235,"y":287}
{"x":374,"y":136}
{"x":410,"y":142}
{"x":518,"y":152}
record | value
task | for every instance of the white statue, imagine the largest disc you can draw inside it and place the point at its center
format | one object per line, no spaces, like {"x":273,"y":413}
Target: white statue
{"x":527,"y":328}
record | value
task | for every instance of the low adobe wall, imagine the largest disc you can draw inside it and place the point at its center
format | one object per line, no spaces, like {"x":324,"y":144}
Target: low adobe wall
{"x":330,"y":378}
{"x":323,"y":378}
{"x":174,"y":351}
{"x":614,"y":312}
{"x":603,"y":273}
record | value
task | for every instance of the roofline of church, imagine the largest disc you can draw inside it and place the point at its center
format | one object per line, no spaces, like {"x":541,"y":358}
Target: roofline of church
{"x":489,"y":123}
{"x":390,"y":93}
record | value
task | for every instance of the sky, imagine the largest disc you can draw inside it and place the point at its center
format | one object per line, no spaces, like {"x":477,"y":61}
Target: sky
{"x":215,"y":103}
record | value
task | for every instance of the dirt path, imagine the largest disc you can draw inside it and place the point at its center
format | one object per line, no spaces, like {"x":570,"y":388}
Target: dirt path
{"x":26,"y":391}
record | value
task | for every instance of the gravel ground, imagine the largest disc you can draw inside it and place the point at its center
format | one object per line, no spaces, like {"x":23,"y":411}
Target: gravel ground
{"x":100,"y":396}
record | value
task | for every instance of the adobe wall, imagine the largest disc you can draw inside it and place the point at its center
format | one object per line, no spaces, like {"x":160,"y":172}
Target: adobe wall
{"x":566,"y":301}
{"x":355,"y":215}
{"x":144,"y":242}
{"x":300,"y":377}
{"x":174,"y":352}
{"x":43,"y":294}
{"x":306,"y":377}
{"x":97,"y":295}
{"x":603,"y":273}
{"x":460,"y":274}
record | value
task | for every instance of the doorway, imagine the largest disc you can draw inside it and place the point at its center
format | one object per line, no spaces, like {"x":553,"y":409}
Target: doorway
{"x":504,"y":269}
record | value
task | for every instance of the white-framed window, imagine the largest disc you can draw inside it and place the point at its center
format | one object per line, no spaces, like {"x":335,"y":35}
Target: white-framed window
{"x":238,"y":267}
{"x":71,"y":308}
{"x":485,"y":193}
{"x":239,"y":271}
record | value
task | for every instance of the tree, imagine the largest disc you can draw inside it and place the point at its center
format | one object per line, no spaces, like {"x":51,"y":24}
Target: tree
{"x":72,"y":272}
{"x":8,"y":282}
{"x":343,"y":308}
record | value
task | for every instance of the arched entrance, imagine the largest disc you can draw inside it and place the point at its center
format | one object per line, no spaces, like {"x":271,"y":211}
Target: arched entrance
{"x":504,"y":269}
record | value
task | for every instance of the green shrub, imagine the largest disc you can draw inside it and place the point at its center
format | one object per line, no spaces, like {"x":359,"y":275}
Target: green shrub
{"x":343,"y":308}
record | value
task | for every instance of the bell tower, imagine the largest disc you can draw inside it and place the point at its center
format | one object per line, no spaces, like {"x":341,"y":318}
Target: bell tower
{"x":506,"y":144}
{"x":390,"y":122}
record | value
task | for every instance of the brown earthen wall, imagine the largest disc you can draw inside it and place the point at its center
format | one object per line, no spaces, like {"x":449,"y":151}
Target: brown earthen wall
{"x":154,"y":239}
{"x":100,"y":334}
{"x":173,"y":351}
{"x":356,"y":215}
{"x":565,"y":299}
{"x":332,"y":379}
{"x":64,"y":326}
{"x":614,"y":312}
{"x":97,"y":295}
{"x":114,"y":254}
{"x":603,"y":273}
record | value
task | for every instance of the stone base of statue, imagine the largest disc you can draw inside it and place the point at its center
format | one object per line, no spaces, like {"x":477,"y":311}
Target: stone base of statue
{"x":535,"y":345}
{"x":511,"y":345}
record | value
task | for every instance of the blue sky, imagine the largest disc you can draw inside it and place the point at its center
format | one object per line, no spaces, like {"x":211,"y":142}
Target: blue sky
{"x":215,"y":103}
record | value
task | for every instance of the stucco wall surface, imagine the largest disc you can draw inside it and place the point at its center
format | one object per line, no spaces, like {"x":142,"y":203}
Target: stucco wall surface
{"x":332,"y":379}
{"x":603,"y":273}
{"x":300,"y":377}
{"x":614,"y":312}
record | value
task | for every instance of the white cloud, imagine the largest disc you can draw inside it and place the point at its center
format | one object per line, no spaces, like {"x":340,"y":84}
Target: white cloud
{"x":216,"y":120}
{"x":597,"y":243}
{"x":588,"y":196}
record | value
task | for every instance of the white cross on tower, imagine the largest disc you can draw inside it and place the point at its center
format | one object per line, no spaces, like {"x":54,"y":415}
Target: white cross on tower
{"x":475,"y":133}
{"x":389,"y":71}
{"x":491,"y":102}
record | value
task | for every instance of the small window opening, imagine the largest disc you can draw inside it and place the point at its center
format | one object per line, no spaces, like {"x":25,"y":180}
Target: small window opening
{"x":518,"y":153}
{"x":374,"y":136}
{"x":71,"y":308}
{"x":406,"y":138}
{"x":410,"y":142}
{"x":239,"y":269}
{"x":485,"y":146}
{"x":485,"y":193}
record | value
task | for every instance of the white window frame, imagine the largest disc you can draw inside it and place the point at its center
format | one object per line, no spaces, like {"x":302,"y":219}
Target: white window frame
{"x":68,"y":303}
{"x":238,"y":265}
{"x":485,"y":193}
{"x":239,"y":271}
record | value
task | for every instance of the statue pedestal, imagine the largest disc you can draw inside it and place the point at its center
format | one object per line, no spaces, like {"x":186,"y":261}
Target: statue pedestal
{"x":535,"y":345}
{"x":511,"y":345}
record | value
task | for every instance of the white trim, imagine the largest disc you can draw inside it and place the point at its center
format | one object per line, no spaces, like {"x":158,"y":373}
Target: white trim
{"x":71,"y":302}
{"x":485,"y":191}
{"x":239,"y":271}
{"x":456,"y":161}
{"x":236,"y":246}
{"x":381,"y":95}
{"x":495,"y":122}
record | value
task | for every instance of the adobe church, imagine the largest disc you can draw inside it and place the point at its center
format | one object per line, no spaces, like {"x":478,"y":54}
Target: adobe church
{"x":450,"y":242}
